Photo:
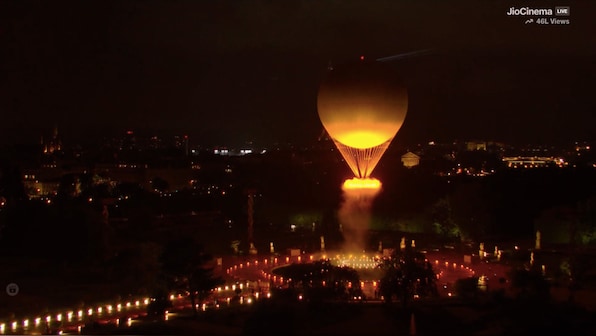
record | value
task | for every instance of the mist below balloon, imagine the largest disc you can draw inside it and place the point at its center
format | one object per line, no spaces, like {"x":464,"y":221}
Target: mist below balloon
{"x":355,"y":212}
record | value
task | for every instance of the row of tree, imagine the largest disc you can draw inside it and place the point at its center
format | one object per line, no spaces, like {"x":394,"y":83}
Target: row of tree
{"x":506,"y":205}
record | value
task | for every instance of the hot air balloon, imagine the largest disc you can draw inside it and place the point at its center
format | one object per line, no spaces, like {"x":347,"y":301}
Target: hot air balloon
{"x":362,"y":106}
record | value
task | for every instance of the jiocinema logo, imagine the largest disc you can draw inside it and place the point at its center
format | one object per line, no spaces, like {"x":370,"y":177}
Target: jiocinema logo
{"x":523,"y":11}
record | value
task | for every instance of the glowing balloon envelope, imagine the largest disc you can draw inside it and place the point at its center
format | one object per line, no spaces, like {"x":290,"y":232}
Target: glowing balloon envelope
{"x":362,"y":106}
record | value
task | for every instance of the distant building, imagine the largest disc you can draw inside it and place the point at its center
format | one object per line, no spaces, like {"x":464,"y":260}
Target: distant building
{"x":476,"y":145}
{"x":582,"y":146}
{"x":410,"y":160}
{"x":52,"y":145}
{"x":43,"y":181}
{"x":534,"y":161}
{"x":234,"y":152}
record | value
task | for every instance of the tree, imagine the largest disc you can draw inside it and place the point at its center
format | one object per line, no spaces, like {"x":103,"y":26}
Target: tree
{"x":11,"y":183}
{"x":320,"y":281}
{"x":530,"y":284}
{"x":467,"y":287}
{"x":556,"y":225}
{"x":27,"y":223}
{"x":464,"y":214}
{"x":442,"y":219}
{"x":138,"y":269}
{"x":586,"y":224}
{"x":470,"y":211}
{"x":407,"y":273}
{"x":577,"y":269}
{"x":187,"y":266}
{"x":53,"y":231}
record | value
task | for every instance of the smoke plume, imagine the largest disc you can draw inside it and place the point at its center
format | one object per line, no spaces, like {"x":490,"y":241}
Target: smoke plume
{"x":354,"y":217}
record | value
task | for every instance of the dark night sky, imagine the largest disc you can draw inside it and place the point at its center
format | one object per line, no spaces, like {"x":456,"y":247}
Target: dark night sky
{"x":226,"y":72}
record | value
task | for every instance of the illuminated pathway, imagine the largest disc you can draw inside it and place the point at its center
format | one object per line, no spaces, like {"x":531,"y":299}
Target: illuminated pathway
{"x":447,"y":270}
{"x":123,"y":314}
{"x":70,"y":321}
{"x":252,"y":277}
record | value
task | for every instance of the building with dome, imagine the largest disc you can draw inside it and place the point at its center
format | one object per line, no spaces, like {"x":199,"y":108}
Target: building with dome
{"x":410,"y":160}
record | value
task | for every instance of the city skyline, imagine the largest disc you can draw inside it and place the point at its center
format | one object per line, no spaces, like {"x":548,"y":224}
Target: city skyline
{"x":155,"y":139}
{"x":251,"y":71}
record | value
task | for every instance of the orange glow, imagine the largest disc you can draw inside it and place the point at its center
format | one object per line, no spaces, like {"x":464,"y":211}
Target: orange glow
{"x":366,"y":134}
{"x":362,"y":183}
{"x":362,"y":107}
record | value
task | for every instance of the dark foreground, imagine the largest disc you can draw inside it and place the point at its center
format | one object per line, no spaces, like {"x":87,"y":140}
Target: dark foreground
{"x":441,"y":317}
